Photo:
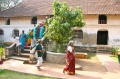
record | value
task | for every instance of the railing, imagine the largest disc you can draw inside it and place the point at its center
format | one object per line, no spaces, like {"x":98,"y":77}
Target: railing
{"x":11,"y":50}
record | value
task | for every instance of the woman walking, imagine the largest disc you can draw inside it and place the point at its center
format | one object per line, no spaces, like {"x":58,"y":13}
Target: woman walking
{"x":70,"y":60}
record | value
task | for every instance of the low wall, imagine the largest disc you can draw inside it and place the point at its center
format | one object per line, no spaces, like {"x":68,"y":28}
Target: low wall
{"x":58,"y":58}
{"x":9,"y":51}
{"x":85,"y":49}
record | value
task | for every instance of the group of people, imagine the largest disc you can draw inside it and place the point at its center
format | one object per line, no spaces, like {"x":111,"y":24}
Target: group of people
{"x":30,"y":39}
{"x":70,"y":58}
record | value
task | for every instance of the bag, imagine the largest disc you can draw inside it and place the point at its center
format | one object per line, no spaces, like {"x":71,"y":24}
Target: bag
{"x":32,"y":51}
{"x":36,"y":55}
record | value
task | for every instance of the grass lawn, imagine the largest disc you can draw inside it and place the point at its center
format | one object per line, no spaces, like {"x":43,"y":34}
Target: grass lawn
{"x":7,"y":74}
{"x":114,"y":58}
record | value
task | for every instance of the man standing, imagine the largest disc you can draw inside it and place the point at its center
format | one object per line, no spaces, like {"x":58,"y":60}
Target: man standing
{"x":39,"y":51}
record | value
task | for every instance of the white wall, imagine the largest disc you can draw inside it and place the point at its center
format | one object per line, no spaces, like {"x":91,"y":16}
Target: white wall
{"x":91,"y":27}
{"x":93,"y":19}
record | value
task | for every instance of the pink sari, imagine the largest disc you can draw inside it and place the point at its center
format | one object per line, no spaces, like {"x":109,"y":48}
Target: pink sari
{"x":70,"y":63}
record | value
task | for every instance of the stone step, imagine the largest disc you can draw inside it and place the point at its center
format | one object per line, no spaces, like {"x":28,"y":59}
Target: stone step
{"x":78,"y":67}
{"x":26,"y":51}
{"x":27,"y":47}
{"x":26,"y":55}
{"x":101,"y":51}
{"x":19,"y":58}
{"x":81,"y":55}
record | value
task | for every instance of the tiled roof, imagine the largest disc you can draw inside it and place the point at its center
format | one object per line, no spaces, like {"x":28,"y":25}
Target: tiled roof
{"x":44,"y":7}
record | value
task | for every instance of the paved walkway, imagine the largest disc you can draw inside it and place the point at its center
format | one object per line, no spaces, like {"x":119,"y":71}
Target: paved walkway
{"x":55,"y":70}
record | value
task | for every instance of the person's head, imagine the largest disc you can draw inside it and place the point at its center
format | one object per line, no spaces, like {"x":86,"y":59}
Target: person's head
{"x":39,"y":41}
{"x":71,"y":43}
{"x":22,"y":31}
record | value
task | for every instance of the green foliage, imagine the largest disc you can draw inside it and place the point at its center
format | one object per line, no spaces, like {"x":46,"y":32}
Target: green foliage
{"x":59,"y":28}
{"x":114,"y":50}
{"x":1,"y":51}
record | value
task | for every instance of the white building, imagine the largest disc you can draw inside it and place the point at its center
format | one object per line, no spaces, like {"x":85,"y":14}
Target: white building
{"x":102,"y":19}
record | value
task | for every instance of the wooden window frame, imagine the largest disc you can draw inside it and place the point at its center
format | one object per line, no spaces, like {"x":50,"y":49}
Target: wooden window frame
{"x":102,"y":21}
{"x":1,"y":32}
{"x":16,"y":32}
{"x":78,"y":34}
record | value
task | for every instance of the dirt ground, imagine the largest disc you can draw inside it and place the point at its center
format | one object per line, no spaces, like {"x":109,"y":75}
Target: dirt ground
{"x":91,"y":64}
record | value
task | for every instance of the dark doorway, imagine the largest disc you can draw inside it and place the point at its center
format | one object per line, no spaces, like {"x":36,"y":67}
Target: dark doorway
{"x":34,"y":20}
{"x":102,"y":37}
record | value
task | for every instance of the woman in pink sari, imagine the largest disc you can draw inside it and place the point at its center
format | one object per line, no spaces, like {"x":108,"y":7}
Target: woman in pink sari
{"x":70,"y":60}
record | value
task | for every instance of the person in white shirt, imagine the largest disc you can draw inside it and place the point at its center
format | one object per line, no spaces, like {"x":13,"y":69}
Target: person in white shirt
{"x":70,"y":60}
{"x":18,"y":45}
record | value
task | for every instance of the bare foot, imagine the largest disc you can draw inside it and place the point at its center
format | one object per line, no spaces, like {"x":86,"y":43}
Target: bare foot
{"x":39,"y":69}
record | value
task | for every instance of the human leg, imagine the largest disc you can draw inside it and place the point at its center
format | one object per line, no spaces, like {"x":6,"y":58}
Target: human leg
{"x":39,"y":63}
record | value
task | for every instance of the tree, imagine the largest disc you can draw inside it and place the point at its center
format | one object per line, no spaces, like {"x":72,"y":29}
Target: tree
{"x":60,"y":27}
{"x":6,"y":4}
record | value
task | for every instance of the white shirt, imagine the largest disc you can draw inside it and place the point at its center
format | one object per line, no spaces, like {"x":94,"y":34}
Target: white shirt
{"x":69,"y":48}
{"x":17,"y":42}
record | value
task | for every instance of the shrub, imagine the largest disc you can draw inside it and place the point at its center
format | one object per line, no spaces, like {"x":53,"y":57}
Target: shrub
{"x":115,"y":49}
{"x":1,"y":52}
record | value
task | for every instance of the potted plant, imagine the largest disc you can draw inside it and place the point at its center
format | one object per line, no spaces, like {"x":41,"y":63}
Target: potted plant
{"x":1,"y":54}
{"x":114,"y":50}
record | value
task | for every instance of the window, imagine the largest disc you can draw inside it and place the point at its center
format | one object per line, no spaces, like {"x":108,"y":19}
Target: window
{"x":102,"y":19}
{"x":34,"y":20}
{"x":78,"y":34}
{"x":1,"y":32}
{"x":8,"y":21}
{"x":16,"y":32}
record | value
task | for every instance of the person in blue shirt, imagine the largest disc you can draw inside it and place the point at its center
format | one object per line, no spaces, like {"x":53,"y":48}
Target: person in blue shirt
{"x":42,"y":28}
{"x":22,"y":40}
{"x":34,"y":31}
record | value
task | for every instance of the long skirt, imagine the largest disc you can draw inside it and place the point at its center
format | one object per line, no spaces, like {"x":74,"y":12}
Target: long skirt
{"x":29,"y":41}
{"x":70,"y":63}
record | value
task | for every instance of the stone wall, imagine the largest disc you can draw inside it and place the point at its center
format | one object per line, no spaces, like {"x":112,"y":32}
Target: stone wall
{"x":58,"y":58}
{"x":85,"y":49}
